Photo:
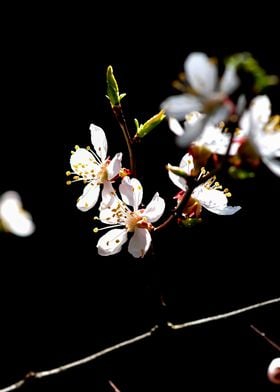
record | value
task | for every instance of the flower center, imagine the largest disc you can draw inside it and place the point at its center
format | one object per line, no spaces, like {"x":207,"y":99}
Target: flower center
{"x":102,"y":175}
{"x":132,"y":221}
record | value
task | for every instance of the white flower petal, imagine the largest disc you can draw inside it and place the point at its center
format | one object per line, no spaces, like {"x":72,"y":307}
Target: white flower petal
{"x":201,"y":73}
{"x":83,"y":163}
{"x":89,"y":197}
{"x":111,"y":242}
{"x":217,"y":141}
{"x":214,"y":200}
{"x":155,"y":208}
{"x":108,"y":195}
{"x":245,"y":122}
{"x":260,"y":111}
{"x":99,"y":141}
{"x":114,"y":166}
{"x":273,"y":165}
{"x":175,"y":126}
{"x":108,"y":214}
{"x":14,"y":218}
{"x":180,"y":182}
{"x":139,"y":243}
{"x":268,"y":144}
{"x":229,"y":210}
{"x":229,"y":81}
{"x":131,"y":192}
{"x":193,"y":125}
{"x":21,"y":225}
{"x":10,"y":201}
{"x":178,"y":106}
{"x":187,"y":163}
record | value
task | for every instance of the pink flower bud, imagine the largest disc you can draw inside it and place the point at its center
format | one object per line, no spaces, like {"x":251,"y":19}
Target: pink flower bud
{"x":273,"y":371}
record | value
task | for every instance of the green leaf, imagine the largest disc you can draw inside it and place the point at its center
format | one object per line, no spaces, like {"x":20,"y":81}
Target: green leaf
{"x":245,"y":61}
{"x":112,"y":88}
{"x":143,"y":129}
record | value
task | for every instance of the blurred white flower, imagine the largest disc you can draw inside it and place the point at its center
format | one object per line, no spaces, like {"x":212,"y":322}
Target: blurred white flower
{"x":136,"y":221}
{"x":93,"y":168}
{"x":13,"y":217}
{"x":206,"y":93}
{"x":262,"y":132}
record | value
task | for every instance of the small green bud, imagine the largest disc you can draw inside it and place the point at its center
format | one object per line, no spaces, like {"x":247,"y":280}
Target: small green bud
{"x":143,"y":129}
{"x":112,"y":88}
{"x":177,"y":170}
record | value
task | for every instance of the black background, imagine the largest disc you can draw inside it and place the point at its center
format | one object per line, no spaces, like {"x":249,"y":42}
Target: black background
{"x":60,"y":301}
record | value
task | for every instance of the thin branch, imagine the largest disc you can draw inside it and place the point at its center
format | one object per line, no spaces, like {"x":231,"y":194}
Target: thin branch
{"x":90,"y":358}
{"x":223,"y":315}
{"x":83,"y":361}
{"x":114,"y":387}
{"x":117,"y":110}
{"x":263,"y":335}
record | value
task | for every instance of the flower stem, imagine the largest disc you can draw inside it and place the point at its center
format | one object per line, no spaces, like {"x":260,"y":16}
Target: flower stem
{"x":117,"y":110}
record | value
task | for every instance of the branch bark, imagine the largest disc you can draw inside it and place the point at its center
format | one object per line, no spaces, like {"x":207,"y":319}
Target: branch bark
{"x":47,"y":373}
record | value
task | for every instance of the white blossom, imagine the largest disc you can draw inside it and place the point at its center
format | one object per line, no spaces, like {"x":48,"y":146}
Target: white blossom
{"x":93,"y":167}
{"x":123,"y":220}
{"x":206,"y":93}
{"x":263,"y":132}
{"x":13,"y":218}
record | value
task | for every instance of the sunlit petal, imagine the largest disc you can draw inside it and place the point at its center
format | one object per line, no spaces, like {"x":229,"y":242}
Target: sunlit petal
{"x":178,"y":106}
{"x":83,"y":163}
{"x":131,"y":192}
{"x":139,"y":243}
{"x":99,"y":141}
{"x":111,"y":242}
{"x":89,"y":197}
{"x":155,"y":208}
{"x":114,"y":166}
{"x":201,"y":72}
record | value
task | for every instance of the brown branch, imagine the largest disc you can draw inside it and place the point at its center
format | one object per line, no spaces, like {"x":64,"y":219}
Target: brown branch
{"x":223,"y":315}
{"x":263,"y":335}
{"x":90,"y":358}
{"x":117,"y":110}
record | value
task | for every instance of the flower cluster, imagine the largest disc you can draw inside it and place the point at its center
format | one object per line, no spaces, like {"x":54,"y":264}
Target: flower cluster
{"x":216,"y":125}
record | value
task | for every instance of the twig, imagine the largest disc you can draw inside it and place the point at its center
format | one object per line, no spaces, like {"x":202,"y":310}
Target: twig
{"x":263,"y":335}
{"x":90,"y":358}
{"x":117,"y":110}
{"x":115,"y":389}
{"x":223,"y":315}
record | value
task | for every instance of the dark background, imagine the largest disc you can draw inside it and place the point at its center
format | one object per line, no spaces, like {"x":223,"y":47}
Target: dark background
{"x":59,"y":301}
